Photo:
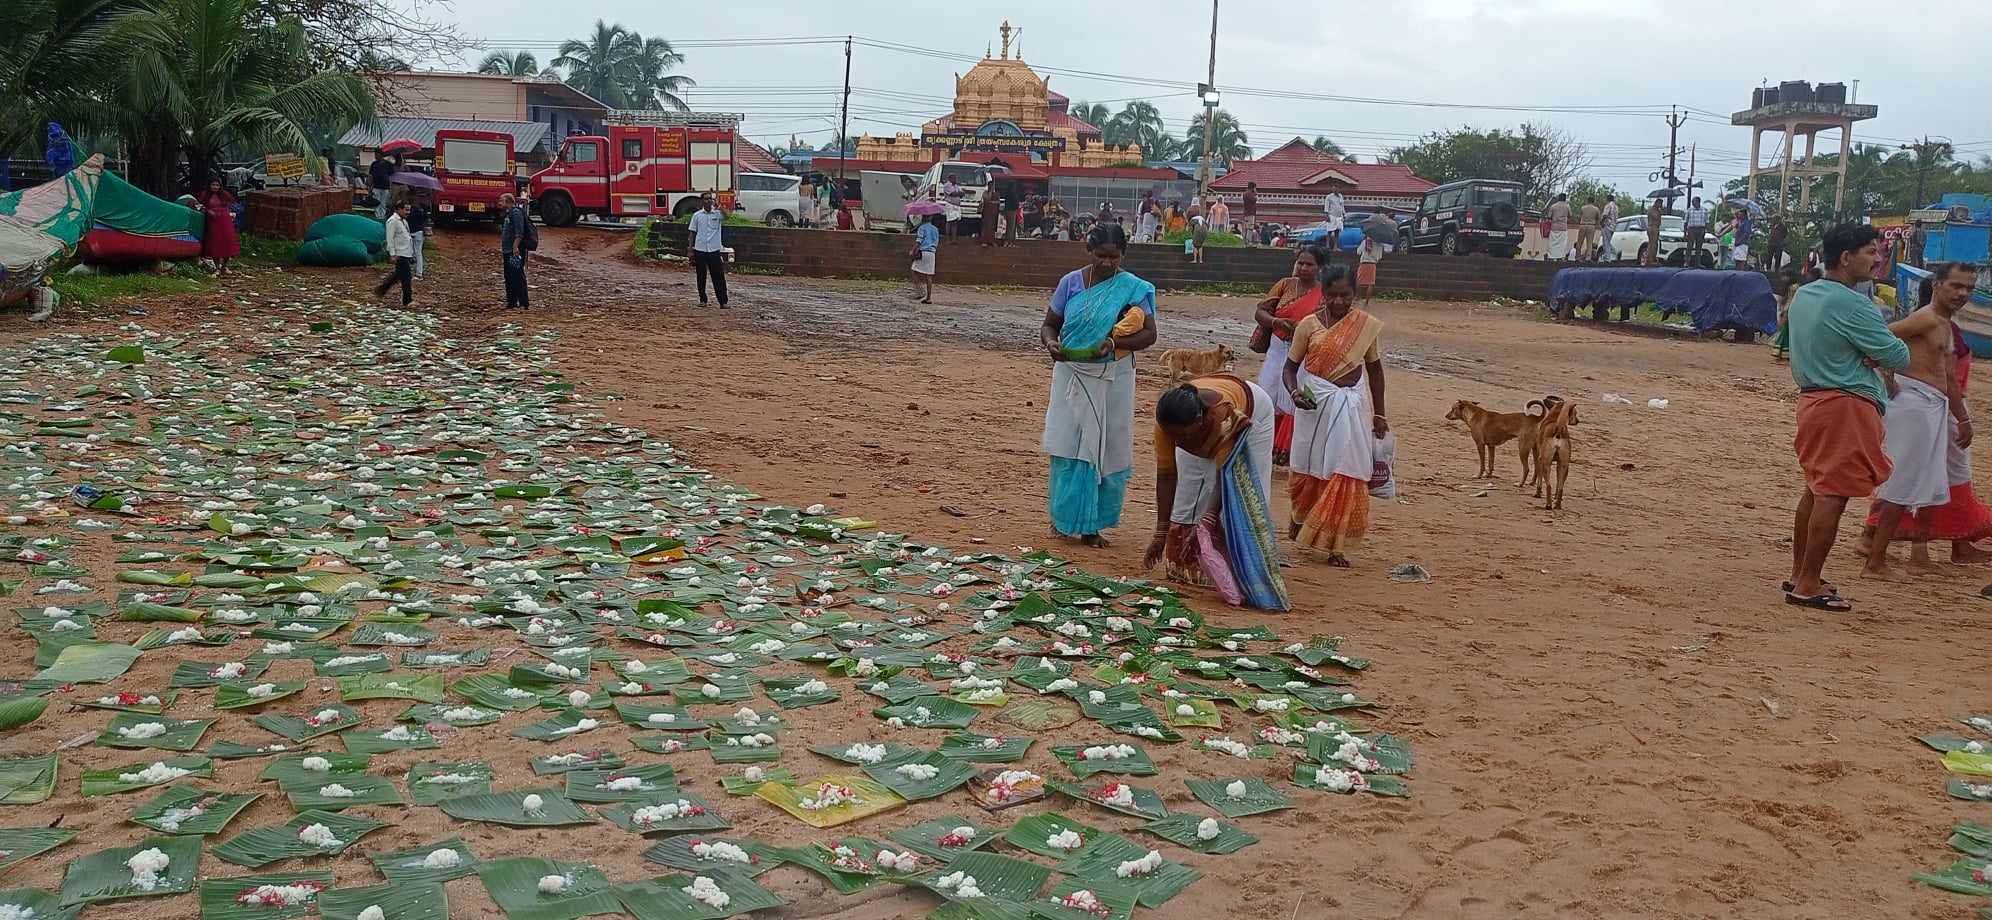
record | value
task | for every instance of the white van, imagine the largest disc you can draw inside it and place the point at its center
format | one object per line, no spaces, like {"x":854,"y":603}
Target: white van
{"x":771,"y":198}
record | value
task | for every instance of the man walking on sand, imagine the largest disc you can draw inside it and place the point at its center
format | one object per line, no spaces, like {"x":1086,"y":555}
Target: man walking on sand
{"x":515,"y":238}
{"x":1837,"y":341}
{"x":708,"y":255}
{"x":1937,"y":355}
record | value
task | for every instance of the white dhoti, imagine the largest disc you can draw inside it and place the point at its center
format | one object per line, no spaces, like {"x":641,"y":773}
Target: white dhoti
{"x":1090,"y":416}
{"x":1559,"y":245}
{"x":1271,"y":377}
{"x":1917,"y":439}
{"x":1957,"y":460}
{"x":951,"y":211}
{"x":1197,"y":478}
{"x":1337,"y":436}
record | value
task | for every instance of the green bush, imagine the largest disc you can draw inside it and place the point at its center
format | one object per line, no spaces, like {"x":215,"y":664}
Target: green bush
{"x":1213,"y":239}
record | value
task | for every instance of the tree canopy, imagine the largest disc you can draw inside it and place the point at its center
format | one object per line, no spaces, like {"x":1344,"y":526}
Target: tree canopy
{"x":623,"y":69}
{"x":1544,"y":160}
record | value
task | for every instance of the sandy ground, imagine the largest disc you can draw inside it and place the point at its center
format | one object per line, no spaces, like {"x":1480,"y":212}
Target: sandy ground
{"x":1614,"y":714}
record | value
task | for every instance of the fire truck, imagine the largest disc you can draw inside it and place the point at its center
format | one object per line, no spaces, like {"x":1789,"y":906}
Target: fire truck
{"x":647,"y":163}
{"x":473,"y":168}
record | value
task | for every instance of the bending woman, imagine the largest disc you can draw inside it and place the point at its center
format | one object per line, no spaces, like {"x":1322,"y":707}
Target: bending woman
{"x":1335,"y":375}
{"x":1213,"y":490}
{"x":1099,"y":317}
{"x":1290,"y":301}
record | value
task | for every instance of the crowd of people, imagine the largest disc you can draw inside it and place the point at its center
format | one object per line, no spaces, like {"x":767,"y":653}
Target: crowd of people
{"x":1317,"y":408}
{"x":1881,"y":414}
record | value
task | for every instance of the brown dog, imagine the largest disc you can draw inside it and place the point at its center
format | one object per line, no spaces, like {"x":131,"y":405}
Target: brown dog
{"x":1184,"y":363}
{"x":1552,"y":448}
{"x":1493,"y":429}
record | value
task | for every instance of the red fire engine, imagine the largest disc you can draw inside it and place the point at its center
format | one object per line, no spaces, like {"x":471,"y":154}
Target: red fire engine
{"x":473,"y":168}
{"x":649,"y":163}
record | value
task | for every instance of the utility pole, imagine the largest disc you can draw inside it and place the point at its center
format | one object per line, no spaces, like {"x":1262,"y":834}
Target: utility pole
{"x":1926,"y":154}
{"x":1674,"y":121}
{"x":844,"y":122}
{"x":1210,"y":107}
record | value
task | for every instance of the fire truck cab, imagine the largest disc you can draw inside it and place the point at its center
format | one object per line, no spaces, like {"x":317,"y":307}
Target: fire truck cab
{"x":646,"y":164}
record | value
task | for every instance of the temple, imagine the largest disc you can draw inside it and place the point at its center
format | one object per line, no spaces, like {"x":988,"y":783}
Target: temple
{"x":1001,"y":106}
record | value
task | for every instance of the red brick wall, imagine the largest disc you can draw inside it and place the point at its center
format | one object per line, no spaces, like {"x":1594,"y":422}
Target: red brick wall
{"x":1040,"y":263}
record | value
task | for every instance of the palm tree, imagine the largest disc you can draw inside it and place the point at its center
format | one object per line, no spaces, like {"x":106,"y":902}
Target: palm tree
{"x":650,"y":83}
{"x":1323,"y":144}
{"x":1228,"y":142}
{"x":53,"y":65}
{"x":600,"y":64}
{"x":204,"y":76}
{"x":517,"y":64}
{"x":1139,"y":122}
{"x":1094,"y":114}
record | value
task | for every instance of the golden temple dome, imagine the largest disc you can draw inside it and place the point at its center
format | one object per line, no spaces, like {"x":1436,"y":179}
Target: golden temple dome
{"x":1001,"y":87}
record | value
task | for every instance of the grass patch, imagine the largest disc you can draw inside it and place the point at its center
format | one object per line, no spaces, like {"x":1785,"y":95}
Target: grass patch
{"x":268,"y":250}
{"x":185,"y":278}
{"x":1236,"y":288}
{"x":1218,"y":238}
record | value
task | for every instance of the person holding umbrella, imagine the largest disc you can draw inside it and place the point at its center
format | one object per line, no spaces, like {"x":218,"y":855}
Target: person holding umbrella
{"x":415,"y":188}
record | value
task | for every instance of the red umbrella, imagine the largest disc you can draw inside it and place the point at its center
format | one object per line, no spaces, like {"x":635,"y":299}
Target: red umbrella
{"x":399,"y":145}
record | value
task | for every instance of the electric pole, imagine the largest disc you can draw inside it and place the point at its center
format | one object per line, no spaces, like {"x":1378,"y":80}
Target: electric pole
{"x":1210,"y":107}
{"x":844,"y":122}
{"x":1926,"y":155}
{"x":1674,"y":121}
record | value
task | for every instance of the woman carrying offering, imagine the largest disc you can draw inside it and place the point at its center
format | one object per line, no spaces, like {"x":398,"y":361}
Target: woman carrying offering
{"x":1334,"y":373}
{"x":1099,"y":317}
{"x":1290,"y":301}
{"x":1213,"y":489}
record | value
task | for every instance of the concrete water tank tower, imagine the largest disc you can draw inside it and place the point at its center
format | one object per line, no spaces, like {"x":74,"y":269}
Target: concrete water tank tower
{"x":1795,"y":109}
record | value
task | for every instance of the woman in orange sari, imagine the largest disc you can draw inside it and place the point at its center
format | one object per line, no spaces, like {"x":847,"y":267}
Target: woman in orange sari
{"x":1334,"y":373}
{"x":1290,"y":301}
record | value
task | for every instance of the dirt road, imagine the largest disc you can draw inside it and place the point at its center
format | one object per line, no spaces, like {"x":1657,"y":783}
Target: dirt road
{"x":1615,"y":714}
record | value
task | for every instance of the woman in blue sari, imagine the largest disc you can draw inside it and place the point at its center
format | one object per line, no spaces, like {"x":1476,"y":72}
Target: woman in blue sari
{"x":1099,"y":317}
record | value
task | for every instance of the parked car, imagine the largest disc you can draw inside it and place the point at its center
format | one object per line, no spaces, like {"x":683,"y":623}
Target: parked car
{"x":1471,"y":215}
{"x":1352,"y":232}
{"x":771,"y":198}
{"x":1628,"y":241}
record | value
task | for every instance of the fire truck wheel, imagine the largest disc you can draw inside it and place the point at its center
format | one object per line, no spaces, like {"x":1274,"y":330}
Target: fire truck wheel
{"x":557,"y":210}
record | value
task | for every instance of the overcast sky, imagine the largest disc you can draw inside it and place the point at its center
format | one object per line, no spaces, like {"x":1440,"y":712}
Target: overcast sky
{"x":1623,"y":56}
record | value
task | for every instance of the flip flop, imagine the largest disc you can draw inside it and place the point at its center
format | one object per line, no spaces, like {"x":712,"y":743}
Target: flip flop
{"x":1830,"y":588}
{"x":1827,"y":602}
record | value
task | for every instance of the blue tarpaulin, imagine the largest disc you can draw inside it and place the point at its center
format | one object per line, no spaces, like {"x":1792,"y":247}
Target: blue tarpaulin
{"x":1713,"y":299}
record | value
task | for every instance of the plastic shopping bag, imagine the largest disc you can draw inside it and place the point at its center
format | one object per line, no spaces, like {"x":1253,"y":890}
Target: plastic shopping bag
{"x":1383,"y":477}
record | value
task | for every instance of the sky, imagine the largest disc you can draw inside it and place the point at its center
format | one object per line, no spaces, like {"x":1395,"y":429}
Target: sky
{"x":1604,"y":70}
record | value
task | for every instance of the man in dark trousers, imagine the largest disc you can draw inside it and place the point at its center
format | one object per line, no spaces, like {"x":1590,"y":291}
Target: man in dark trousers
{"x":515,"y":238}
{"x":708,"y":254}
{"x":380,"y":175}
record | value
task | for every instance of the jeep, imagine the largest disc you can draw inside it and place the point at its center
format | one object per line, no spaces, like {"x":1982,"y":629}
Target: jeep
{"x":1472,"y":215}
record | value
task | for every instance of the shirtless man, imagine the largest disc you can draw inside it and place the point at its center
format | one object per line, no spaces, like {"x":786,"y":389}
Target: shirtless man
{"x":1923,"y":401}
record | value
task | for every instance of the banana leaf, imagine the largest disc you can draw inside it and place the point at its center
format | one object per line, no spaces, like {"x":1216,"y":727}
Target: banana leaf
{"x":173,"y":810}
{"x":1147,"y":804}
{"x":662,"y":671}
{"x":104,"y":876}
{"x":1097,"y":866}
{"x":854,"y":875}
{"x":254,"y":849}
{"x":672,"y":718}
{"x":367,"y":790}
{"x":229,"y":750}
{"x":27,"y":780}
{"x":982,"y":909}
{"x":40,"y":905}
{"x":952,"y":774}
{"x":556,"y":764}
{"x":424,"y":688}
{"x":970,"y":747}
{"x":157,"y":613}
{"x":514,"y":885}
{"x":300,"y":629}
{"x":926,"y":838}
{"x":666,"y":898}
{"x":898,"y":688}
{"x":370,"y":741}
{"x":787,"y":694}
{"x":350,"y":662}
{"x":1182,"y":831}
{"x":531,"y":675}
{"x":1002,"y":877}
{"x":458,"y":778}
{"x":1258,"y":799}
{"x":469,"y":658}
{"x":730,"y":689}
{"x":659,"y":781}
{"x":1970,"y":792}
{"x":19,"y":843}
{"x":1968,"y":764}
{"x":16,"y":711}
{"x":940,"y":712}
{"x":508,"y":808}
{"x":295,"y":729}
{"x":661,"y":743}
{"x":89,"y":663}
{"x":128,"y":701}
{"x":397,"y":635}
{"x":872,"y":799}
{"x":411,"y":865}
{"x":562,"y":726}
{"x":894,"y":752}
{"x":1963,"y":876}
{"x":1306,"y":777}
{"x":676,"y":852}
{"x":1038,"y":715}
{"x":1972,"y":839}
{"x":1116,"y":901}
{"x":397,"y":901}
{"x":180,"y":734}
{"x":110,"y":781}
{"x":1034,"y":833}
{"x":1203,"y":713}
{"x":290,"y":767}
{"x":497,"y":692}
{"x":1070,"y":755}
{"x":1392,"y":754}
{"x":160,"y":638}
{"x":203,"y":673}
{"x":234,"y":898}
{"x":624,"y":815}
{"x":235,"y":694}
{"x":742,"y":785}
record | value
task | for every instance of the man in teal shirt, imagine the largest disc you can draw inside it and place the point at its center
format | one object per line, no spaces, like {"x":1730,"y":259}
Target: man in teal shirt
{"x":1837,"y":340}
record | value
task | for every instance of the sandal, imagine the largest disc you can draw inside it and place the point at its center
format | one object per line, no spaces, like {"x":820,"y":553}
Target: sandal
{"x":1830,"y":588}
{"x":1831,"y":603}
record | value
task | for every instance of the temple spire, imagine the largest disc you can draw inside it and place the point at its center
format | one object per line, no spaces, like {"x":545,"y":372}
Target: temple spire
{"x":1005,"y":30}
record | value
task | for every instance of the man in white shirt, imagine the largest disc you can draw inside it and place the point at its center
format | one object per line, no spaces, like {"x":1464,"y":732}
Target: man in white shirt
{"x":1696,"y":230}
{"x":1336,"y":213}
{"x":708,"y":256}
{"x":400,"y":246}
{"x":1610,"y":221}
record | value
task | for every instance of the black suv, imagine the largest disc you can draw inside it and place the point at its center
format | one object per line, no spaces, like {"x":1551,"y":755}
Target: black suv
{"x":1472,"y":215}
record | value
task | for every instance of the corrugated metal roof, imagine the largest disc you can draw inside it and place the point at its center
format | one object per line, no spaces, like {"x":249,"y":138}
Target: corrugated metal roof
{"x":526,"y":135}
